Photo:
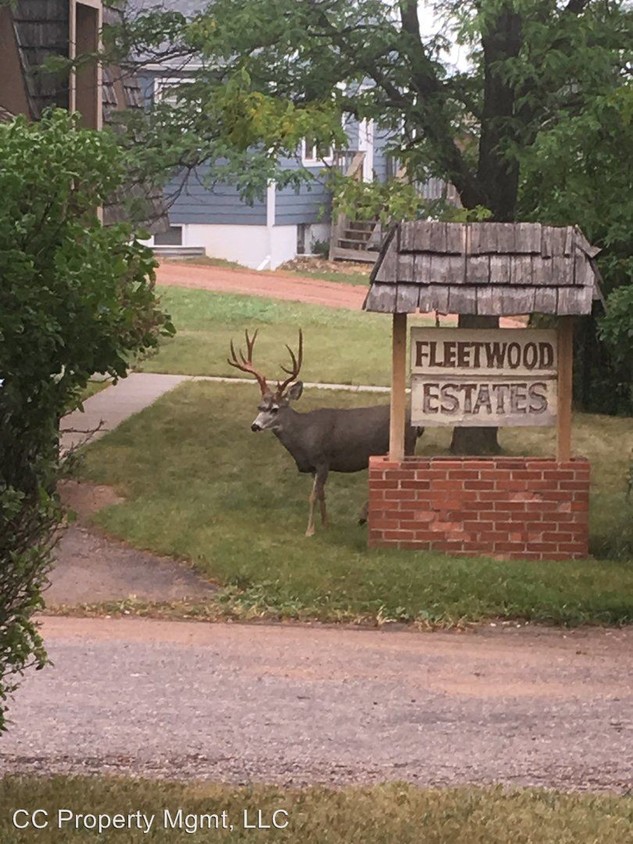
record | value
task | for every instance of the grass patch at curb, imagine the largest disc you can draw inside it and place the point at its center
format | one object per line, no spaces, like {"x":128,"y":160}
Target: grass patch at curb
{"x":373,"y":815}
{"x":250,"y":605}
{"x":200,"y":486}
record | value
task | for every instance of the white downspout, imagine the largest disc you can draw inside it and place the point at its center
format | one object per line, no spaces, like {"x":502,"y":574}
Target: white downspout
{"x":271,"y":199}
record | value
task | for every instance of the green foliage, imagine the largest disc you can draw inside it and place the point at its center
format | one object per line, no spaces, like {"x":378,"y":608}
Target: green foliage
{"x":76,"y":298}
{"x":537,"y":126}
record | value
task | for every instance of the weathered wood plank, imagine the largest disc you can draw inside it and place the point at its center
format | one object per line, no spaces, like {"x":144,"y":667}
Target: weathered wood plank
{"x":438,"y":238}
{"x":570,"y":240}
{"x":517,"y":300}
{"x":405,"y":272}
{"x":527,"y":238}
{"x":478,"y":269}
{"x":553,"y":244}
{"x":422,"y":268}
{"x":444,"y":401}
{"x":583,"y":244}
{"x":542,"y":272}
{"x":387,"y":271}
{"x":455,"y":238}
{"x":521,"y":270}
{"x":477,"y":352}
{"x":545,"y":300}
{"x":381,"y":298}
{"x":408,"y":237}
{"x":440,"y":269}
{"x":425,"y":300}
{"x":462,"y":300}
{"x":546,"y":242}
{"x":423,"y":235}
{"x":574,"y":300}
{"x":483,"y":238}
{"x":500,"y":269}
{"x":487,"y":304}
{"x":562,"y":270}
{"x":407,"y":297}
{"x":341,"y":253}
{"x":584,"y":275}
{"x":505,"y":238}
{"x":439,"y":298}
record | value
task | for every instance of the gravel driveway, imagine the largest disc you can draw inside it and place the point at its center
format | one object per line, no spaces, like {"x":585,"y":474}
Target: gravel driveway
{"x":300,"y":705}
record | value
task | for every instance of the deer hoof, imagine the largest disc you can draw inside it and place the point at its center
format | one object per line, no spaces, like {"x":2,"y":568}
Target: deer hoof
{"x":310,"y":532}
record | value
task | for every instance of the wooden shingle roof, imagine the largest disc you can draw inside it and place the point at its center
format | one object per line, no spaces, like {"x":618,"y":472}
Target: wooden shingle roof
{"x":487,"y":269}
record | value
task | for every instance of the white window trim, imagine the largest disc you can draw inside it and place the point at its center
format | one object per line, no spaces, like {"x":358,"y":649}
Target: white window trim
{"x":162,"y":86}
{"x":310,"y":160}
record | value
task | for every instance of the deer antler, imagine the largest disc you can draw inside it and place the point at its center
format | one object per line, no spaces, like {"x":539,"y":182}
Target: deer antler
{"x":296,"y":360}
{"x":245,"y":362}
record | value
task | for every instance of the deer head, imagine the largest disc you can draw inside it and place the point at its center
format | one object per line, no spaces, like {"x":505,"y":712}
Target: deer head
{"x":275,"y":403}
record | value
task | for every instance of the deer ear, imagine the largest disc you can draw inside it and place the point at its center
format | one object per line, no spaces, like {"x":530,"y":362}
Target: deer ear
{"x":295,"y":391}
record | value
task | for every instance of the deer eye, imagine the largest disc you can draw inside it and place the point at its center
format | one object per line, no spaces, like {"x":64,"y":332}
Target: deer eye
{"x":274,"y":410}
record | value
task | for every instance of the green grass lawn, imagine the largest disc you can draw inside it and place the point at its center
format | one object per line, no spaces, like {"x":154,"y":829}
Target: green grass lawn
{"x":343,"y":347}
{"x":200,"y":486}
{"x":387,"y":814}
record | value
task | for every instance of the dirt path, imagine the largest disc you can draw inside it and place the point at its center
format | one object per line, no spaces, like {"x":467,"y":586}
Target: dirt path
{"x":301,"y":705}
{"x":329,"y":294}
{"x":91,"y":568}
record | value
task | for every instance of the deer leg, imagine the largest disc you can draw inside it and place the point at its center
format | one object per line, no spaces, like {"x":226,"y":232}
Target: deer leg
{"x":313,"y":500}
{"x":362,"y":516}
{"x":321,"y":478}
{"x":318,"y":494}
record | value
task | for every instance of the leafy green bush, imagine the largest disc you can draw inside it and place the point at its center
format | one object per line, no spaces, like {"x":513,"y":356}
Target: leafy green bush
{"x":616,"y":329}
{"x":75,"y":298}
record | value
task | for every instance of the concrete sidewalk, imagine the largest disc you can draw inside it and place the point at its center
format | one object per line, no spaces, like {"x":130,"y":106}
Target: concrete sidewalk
{"x":106,"y":410}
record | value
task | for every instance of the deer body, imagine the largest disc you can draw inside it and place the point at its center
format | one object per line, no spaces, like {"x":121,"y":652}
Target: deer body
{"x":343,"y":439}
{"x":320,"y":441}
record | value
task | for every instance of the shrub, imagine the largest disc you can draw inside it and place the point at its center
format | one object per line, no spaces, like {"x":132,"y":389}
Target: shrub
{"x":75,"y":298}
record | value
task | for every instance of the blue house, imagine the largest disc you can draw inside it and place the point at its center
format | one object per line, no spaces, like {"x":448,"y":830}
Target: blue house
{"x":288,"y":222}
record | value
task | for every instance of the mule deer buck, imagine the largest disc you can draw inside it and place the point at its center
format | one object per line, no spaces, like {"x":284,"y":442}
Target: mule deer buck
{"x":326,"y":440}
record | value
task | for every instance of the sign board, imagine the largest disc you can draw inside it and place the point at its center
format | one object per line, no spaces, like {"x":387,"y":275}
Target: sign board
{"x":483,"y":377}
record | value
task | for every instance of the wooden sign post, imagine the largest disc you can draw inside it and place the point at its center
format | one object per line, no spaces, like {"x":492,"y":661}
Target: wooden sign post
{"x":565,"y":364}
{"x":398,"y":386}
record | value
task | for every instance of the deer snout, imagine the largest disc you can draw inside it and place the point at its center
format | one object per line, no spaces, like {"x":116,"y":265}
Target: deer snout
{"x":256,"y":427}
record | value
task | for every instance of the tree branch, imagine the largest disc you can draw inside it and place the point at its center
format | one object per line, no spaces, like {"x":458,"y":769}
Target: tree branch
{"x":432,"y":99}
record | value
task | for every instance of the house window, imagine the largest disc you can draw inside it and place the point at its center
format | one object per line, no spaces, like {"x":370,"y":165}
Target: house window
{"x":167,"y":90}
{"x":172,"y":237}
{"x":313,"y":154}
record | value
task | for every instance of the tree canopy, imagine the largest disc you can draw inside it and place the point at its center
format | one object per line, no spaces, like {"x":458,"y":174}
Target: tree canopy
{"x":534,"y":124}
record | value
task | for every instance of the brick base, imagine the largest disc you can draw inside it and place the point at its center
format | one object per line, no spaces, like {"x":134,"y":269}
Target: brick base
{"x":506,"y":507}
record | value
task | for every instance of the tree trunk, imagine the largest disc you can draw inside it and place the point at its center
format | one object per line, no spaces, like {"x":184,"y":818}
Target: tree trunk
{"x":476,"y":440}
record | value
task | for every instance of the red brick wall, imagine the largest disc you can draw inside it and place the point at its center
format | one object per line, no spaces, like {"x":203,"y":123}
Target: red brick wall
{"x":508,"y":507}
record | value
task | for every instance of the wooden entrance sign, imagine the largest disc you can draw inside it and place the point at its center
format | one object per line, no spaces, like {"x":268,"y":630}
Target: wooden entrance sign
{"x":526,"y":507}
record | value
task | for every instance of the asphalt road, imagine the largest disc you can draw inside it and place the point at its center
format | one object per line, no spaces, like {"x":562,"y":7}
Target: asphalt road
{"x":298,"y":705}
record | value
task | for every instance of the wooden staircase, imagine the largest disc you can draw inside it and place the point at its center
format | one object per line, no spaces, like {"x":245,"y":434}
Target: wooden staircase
{"x":354,"y":240}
